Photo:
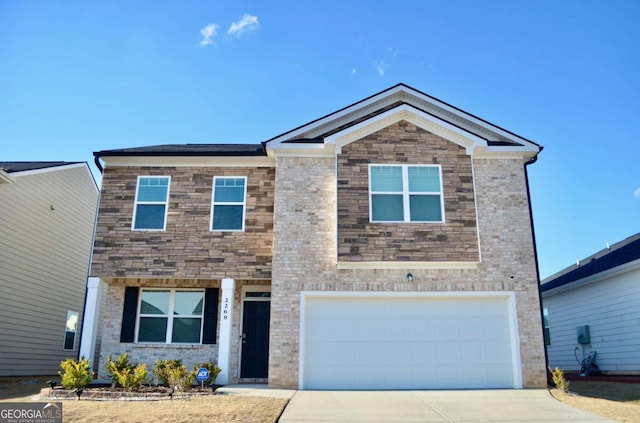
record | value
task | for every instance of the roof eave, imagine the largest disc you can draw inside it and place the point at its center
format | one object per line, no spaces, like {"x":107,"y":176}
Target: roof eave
{"x":5,"y":178}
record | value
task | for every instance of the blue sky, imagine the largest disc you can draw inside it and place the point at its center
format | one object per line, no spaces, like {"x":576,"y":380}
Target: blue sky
{"x":81,"y":76}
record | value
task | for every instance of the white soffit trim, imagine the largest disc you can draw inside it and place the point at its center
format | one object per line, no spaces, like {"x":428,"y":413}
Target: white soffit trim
{"x":49,"y":169}
{"x":407,"y":265}
{"x":196,"y":161}
{"x":337,"y":116}
{"x":501,"y":152}
{"x":404,"y":94}
{"x":5,"y":178}
{"x":410,"y":114}
{"x":598,"y":277}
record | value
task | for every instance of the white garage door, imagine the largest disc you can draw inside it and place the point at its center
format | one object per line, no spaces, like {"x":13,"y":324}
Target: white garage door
{"x":373,"y":342}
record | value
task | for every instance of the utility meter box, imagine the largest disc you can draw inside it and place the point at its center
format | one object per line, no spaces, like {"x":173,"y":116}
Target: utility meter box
{"x":583,"y":335}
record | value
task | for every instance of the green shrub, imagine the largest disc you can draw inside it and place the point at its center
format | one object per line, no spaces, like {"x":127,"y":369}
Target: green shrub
{"x":126,"y":374}
{"x":213,"y":368}
{"x":557,"y":376}
{"x":173,"y":373}
{"x":75,"y":374}
{"x":116,"y":367}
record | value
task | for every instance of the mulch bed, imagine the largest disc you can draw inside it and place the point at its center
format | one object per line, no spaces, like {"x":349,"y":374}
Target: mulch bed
{"x":106,"y":393}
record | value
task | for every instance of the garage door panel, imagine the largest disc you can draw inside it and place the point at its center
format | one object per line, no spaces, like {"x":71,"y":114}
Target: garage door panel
{"x":408,"y":343}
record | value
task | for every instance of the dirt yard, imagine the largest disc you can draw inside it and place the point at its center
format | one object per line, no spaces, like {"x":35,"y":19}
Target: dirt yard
{"x":616,"y":400}
{"x":619,"y":401}
{"x":216,"y":408}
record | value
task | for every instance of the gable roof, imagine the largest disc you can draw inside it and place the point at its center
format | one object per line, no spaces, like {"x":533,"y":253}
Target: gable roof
{"x":616,"y":255}
{"x":328,"y":134}
{"x":416,"y":101}
{"x":12,"y":167}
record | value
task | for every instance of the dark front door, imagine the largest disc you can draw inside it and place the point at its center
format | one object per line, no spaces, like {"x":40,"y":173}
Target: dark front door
{"x":255,"y":339}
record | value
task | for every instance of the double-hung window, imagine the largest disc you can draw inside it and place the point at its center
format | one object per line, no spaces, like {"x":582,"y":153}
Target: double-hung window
{"x":171,"y":316}
{"x":405,"y":193}
{"x":228,"y":204}
{"x":152,"y":198}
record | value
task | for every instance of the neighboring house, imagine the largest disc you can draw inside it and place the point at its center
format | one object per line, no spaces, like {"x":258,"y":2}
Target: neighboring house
{"x":385,"y":245}
{"x":47,"y":214}
{"x":599,"y":299}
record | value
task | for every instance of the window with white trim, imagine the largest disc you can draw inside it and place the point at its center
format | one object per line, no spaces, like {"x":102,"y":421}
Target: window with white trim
{"x":171,"y":316}
{"x":228,"y":203}
{"x":152,"y":198}
{"x":70,"y":329}
{"x":547,"y":331}
{"x":405,"y":193}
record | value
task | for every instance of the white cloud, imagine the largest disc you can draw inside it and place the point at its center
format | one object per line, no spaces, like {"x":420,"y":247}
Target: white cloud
{"x":636,"y":193}
{"x":353,"y":71}
{"x":208,"y":32}
{"x":381,"y":66}
{"x":246,"y":24}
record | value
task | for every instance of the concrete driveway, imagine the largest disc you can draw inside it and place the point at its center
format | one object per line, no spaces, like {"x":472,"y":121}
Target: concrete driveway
{"x":431,"y":406}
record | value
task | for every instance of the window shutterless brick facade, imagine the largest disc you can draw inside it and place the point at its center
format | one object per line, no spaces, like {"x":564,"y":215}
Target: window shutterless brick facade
{"x":187,"y":248}
{"x":305,"y":248}
{"x":455,"y":239}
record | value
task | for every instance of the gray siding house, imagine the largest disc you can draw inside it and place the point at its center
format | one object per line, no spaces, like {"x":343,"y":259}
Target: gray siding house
{"x":387,"y":245}
{"x":601,"y":293}
{"x":47,"y":214}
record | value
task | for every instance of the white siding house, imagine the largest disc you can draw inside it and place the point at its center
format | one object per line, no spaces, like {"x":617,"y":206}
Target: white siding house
{"x":603,"y":293}
{"x":47,"y":213}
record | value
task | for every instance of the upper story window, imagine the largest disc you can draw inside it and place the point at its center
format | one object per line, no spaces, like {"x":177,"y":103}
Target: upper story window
{"x":171,"y":316}
{"x":229,"y":203}
{"x":152,"y":198}
{"x":405,"y":193}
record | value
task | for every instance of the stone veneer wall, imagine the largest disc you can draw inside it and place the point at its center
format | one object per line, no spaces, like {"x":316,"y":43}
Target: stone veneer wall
{"x":149,"y":353}
{"x":187,"y":248}
{"x":404,"y":143}
{"x":305,"y":250}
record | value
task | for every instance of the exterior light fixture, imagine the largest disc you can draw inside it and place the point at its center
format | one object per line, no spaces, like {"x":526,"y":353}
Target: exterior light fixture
{"x":409,"y":277}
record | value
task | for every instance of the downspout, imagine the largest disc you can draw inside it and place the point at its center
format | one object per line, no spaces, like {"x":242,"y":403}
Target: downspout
{"x":535,"y":255}
{"x":93,"y":240}
{"x":96,"y":160}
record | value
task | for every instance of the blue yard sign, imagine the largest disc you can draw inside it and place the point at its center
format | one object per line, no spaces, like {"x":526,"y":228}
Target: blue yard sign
{"x":203,"y":374}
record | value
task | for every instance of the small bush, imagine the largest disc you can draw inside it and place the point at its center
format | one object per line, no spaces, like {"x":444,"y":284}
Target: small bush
{"x":213,"y":368}
{"x":126,"y":374}
{"x":173,"y":373}
{"x":75,"y":374}
{"x":557,"y":376}
{"x":116,"y":367}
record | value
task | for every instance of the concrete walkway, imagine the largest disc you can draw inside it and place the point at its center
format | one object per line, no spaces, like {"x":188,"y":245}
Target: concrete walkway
{"x":431,"y":406}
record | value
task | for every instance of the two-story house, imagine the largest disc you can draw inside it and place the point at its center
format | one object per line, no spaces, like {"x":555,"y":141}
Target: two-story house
{"x":387,"y":245}
{"x":47,"y":213}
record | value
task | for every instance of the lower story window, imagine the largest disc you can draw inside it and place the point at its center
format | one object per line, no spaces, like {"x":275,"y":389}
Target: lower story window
{"x":70,"y":330}
{"x":170,"y":316}
{"x":547,"y":332}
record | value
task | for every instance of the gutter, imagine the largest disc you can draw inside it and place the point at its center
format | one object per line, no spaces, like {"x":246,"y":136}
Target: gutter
{"x":535,"y":254}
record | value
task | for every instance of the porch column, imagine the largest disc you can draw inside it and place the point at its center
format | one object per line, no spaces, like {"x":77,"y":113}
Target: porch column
{"x":224,"y":342}
{"x":90,"y":318}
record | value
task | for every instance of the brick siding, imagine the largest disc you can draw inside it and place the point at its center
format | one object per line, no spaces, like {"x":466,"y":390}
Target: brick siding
{"x":187,"y":248}
{"x":404,"y":143}
{"x":305,"y":250}
{"x":149,"y":353}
